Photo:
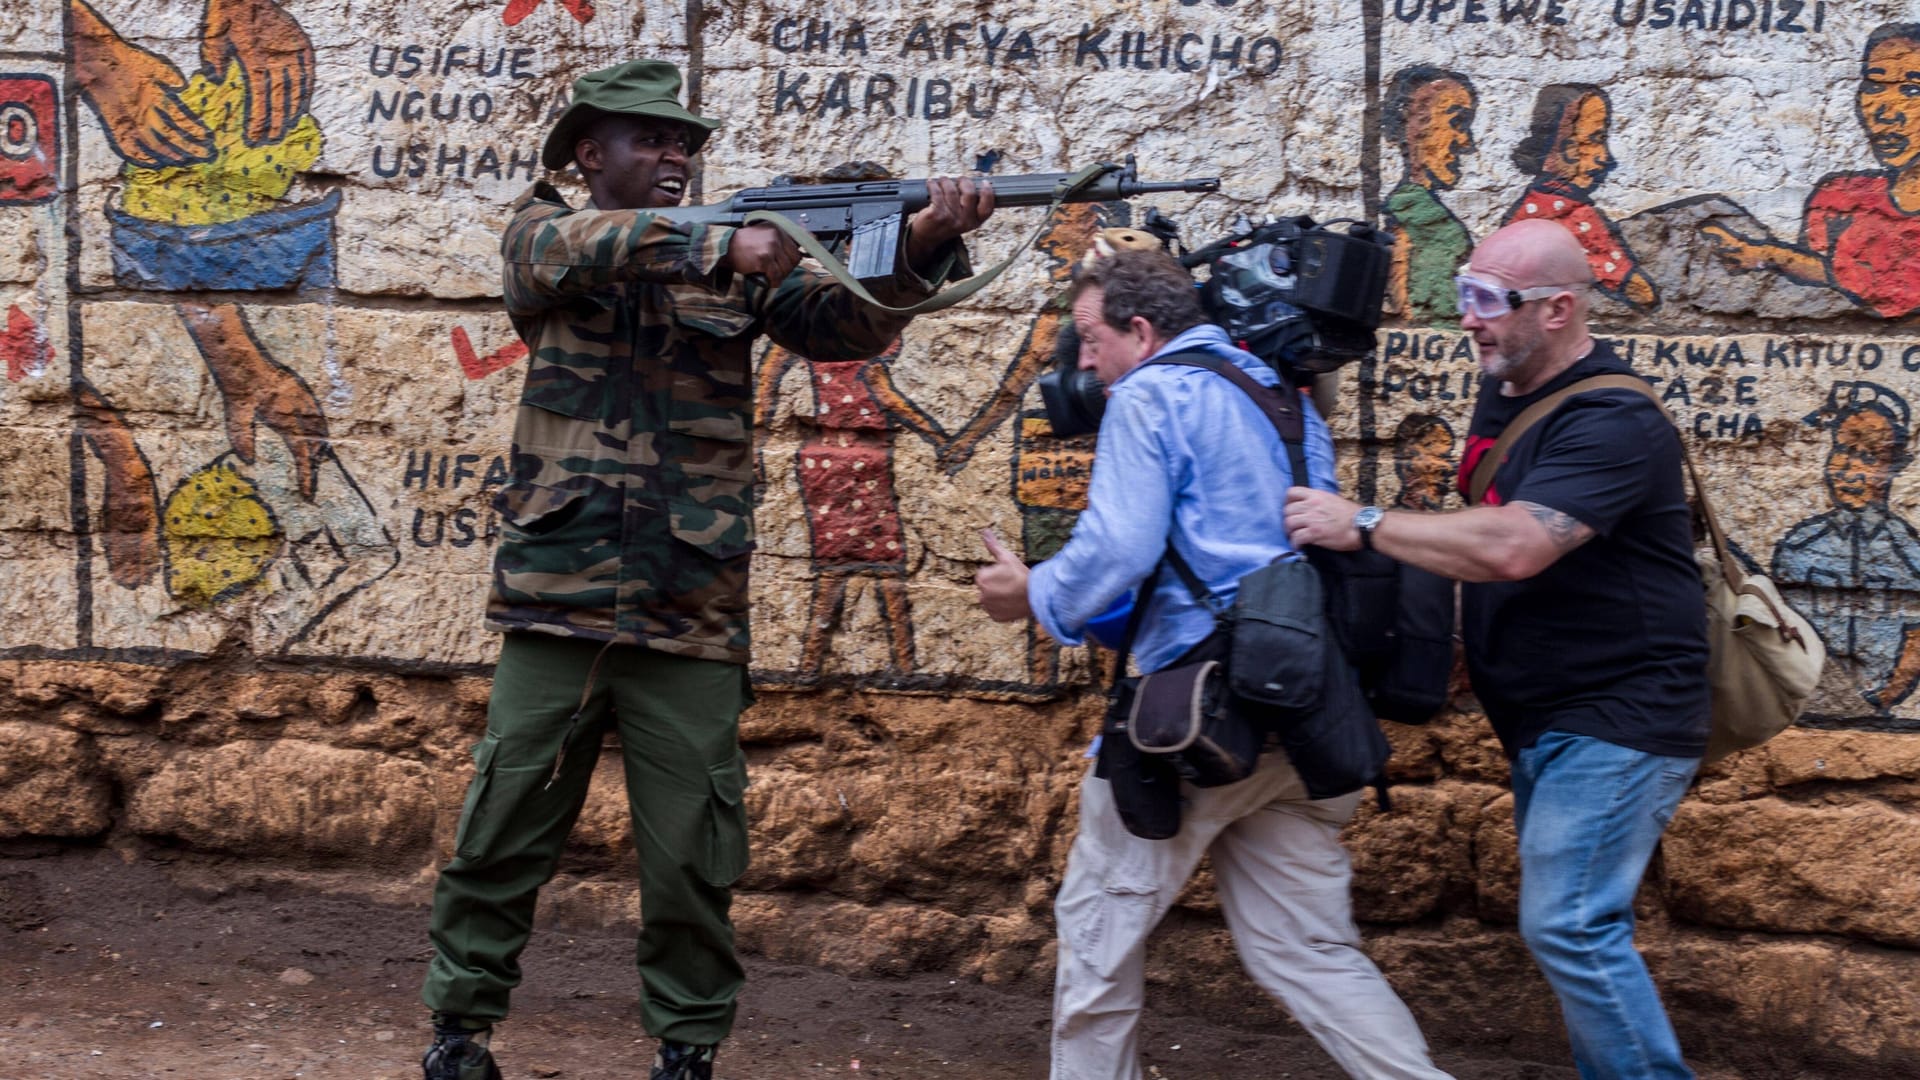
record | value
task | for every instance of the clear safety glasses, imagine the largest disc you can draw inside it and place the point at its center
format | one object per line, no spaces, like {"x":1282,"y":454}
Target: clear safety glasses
{"x":1485,"y":300}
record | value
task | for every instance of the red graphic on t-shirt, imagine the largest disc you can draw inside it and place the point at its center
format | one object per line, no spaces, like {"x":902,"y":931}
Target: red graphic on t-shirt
{"x":1477,"y":447}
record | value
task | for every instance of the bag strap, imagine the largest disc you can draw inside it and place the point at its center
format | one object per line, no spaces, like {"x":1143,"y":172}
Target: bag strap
{"x":1133,"y":623}
{"x":1490,"y":462}
{"x":1730,"y":570}
{"x":1281,"y":409}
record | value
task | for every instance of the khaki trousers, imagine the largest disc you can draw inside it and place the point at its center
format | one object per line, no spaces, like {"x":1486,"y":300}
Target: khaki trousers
{"x":1283,"y":885}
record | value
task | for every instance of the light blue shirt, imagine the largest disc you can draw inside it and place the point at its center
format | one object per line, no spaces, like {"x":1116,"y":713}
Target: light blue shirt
{"x":1181,"y":451}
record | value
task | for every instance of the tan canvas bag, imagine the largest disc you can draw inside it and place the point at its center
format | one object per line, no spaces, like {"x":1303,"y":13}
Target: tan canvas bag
{"x":1764,"y":658}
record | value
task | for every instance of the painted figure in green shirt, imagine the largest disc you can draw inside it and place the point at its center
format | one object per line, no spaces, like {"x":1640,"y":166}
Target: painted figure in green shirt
{"x":1430,"y":114}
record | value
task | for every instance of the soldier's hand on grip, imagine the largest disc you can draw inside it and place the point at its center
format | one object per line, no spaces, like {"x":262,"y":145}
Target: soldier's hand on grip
{"x":764,"y":250}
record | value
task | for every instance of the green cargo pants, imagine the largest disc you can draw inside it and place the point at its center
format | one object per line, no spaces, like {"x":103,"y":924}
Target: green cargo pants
{"x":678,"y":725}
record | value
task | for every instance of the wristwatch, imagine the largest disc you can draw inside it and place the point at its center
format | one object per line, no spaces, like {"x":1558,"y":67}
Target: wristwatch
{"x":1367,"y":519}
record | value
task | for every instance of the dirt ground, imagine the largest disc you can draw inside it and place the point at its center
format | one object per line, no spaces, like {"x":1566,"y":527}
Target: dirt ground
{"x":111,"y":970}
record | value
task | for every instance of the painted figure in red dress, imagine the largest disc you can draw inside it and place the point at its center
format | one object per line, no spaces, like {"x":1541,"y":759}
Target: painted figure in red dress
{"x":1566,"y":152}
{"x":845,"y":474}
{"x":1861,"y":231}
{"x":845,"y":470}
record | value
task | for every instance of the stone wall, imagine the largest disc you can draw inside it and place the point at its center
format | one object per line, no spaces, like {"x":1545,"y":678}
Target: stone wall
{"x":256,"y":408}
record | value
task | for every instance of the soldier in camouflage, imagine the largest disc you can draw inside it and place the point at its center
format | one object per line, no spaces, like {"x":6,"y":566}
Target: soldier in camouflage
{"x":621,"y":576}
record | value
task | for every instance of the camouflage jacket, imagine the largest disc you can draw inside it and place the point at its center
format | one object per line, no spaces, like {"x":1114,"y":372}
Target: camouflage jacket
{"x":629,"y":515}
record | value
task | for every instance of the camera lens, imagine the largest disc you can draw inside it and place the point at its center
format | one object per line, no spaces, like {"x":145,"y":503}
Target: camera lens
{"x":1075,"y":401}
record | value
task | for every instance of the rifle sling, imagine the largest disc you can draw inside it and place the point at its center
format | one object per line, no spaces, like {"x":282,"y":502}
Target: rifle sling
{"x":947,"y":298}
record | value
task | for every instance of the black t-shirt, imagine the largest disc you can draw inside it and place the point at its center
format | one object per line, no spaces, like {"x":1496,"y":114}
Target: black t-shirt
{"x":1609,"y":641}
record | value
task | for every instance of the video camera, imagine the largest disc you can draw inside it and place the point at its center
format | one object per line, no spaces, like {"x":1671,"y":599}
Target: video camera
{"x":1301,"y":296}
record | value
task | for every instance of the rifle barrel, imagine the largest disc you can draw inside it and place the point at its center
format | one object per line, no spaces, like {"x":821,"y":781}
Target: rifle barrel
{"x":1152,"y":187}
{"x":1028,"y":189}
{"x":1036,"y":189}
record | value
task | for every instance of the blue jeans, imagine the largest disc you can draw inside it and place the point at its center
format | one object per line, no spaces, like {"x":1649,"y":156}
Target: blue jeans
{"x":1589,"y":814}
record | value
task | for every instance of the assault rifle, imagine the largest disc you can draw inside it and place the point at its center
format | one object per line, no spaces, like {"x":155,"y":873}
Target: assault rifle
{"x":870,"y":215}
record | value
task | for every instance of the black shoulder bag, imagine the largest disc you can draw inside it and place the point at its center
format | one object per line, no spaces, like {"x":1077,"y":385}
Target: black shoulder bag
{"x":1273,"y":668}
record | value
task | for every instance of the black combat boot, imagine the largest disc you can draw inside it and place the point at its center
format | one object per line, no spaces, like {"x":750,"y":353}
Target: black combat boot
{"x":459,"y":1052}
{"x":680,"y":1061}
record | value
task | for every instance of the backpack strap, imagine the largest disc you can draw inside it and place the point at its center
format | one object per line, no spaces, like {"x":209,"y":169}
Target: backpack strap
{"x":1282,"y":410}
{"x":1197,"y":587}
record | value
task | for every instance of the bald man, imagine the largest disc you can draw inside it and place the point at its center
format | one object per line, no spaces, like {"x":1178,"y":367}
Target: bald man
{"x":1585,"y":629}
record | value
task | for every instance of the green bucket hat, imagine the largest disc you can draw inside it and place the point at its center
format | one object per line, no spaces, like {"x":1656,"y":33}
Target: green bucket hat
{"x":635,"y":88}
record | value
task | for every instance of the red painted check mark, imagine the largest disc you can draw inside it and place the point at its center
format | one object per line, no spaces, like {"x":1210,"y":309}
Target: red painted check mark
{"x":477,"y":366}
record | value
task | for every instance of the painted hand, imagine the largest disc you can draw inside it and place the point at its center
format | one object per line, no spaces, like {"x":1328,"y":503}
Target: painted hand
{"x":954,"y":208}
{"x":129,"y":525}
{"x":137,"y":95}
{"x":1002,"y":583}
{"x":274,"y":53}
{"x":1732,"y":249}
{"x":1640,"y":291}
{"x":258,"y":389}
{"x":1322,"y":519}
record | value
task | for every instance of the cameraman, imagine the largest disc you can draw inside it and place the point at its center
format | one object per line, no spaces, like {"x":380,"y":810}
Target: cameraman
{"x":1186,"y":457}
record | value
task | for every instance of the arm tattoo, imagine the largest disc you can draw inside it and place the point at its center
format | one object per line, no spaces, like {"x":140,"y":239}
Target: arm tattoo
{"x":1565,"y":531}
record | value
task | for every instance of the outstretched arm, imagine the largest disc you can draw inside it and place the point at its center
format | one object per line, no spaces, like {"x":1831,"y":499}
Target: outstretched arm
{"x":814,"y":316}
{"x":552,"y":254}
{"x":955,"y":208}
{"x":1486,"y":543}
{"x":1746,"y":255}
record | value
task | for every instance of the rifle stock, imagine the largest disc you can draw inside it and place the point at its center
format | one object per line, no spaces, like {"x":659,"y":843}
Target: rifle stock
{"x":870,"y":215}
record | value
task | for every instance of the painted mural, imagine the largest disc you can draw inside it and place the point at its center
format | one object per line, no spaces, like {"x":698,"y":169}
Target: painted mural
{"x":1860,"y":234}
{"x":29,"y":139}
{"x":210,"y":158}
{"x":254,"y":351}
{"x":1429,"y":115}
{"x":1424,"y":462}
{"x":1854,"y":570}
{"x":845,"y":472}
